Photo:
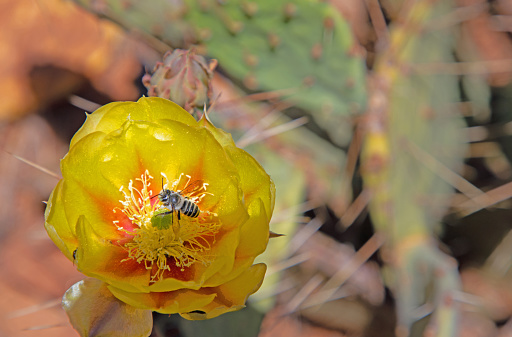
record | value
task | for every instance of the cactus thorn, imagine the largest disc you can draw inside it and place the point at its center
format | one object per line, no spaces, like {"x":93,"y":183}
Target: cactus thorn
{"x":430,"y":331}
{"x":401,"y":331}
{"x":356,"y":50}
{"x":376,"y":163}
{"x":354,"y":108}
{"x":202,"y":49}
{"x":235,"y":27}
{"x":273,"y":40}
{"x":329,"y":23}
{"x":126,"y":5}
{"x":250,"y":8}
{"x":308,"y":81}
{"x":157,"y":30}
{"x":205,"y":34}
{"x":99,"y":6}
{"x":204,"y":5}
{"x":327,"y":108}
{"x":448,"y":300}
{"x":251,"y":82}
{"x":439,"y":272}
{"x":290,"y":11}
{"x":251,"y":60}
{"x":428,"y":113}
{"x":316,"y":51}
{"x":350,"y":83}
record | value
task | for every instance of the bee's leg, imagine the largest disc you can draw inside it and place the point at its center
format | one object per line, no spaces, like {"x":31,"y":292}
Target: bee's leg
{"x":165,"y":213}
{"x":179,"y":218}
{"x":172,"y":215}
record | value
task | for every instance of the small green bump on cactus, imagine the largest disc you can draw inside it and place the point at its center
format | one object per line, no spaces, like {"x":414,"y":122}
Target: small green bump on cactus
{"x":289,"y":11}
{"x":250,"y":8}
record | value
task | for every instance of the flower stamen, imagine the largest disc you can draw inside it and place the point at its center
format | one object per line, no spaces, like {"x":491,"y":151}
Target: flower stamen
{"x":180,"y":242}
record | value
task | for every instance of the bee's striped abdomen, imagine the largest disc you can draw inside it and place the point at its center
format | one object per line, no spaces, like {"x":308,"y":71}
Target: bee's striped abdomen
{"x":190,"y":209}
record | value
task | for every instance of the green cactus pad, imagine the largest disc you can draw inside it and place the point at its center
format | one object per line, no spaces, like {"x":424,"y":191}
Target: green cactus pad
{"x":303,"y":47}
{"x":425,"y":144}
{"x":424,"y":130}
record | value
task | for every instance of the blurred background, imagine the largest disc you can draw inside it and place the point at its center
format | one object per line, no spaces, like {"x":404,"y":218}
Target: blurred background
{"x":385,"y":125}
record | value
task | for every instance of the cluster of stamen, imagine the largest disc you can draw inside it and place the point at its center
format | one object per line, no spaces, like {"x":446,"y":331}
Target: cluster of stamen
{"x":184,"y":242}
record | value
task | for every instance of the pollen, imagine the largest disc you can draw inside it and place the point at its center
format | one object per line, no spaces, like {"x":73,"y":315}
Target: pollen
{"x":181,"y":242}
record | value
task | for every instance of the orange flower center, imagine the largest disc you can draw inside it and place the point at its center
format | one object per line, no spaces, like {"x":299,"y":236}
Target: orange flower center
{"x":161,"y":235}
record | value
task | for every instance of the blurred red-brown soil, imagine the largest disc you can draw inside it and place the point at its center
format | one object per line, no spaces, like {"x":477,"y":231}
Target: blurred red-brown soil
{"x":34,"y":274}
{"x":57,"y":33}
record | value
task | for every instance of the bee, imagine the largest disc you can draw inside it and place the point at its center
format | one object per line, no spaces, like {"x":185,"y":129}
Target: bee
{"x":174,"y":201}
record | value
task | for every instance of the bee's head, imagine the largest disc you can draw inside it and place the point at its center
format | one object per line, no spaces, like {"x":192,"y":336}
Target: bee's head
{"x":164,"y":196}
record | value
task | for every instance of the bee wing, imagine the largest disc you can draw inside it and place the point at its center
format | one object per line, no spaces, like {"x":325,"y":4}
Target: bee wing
{"x":192,"y":188}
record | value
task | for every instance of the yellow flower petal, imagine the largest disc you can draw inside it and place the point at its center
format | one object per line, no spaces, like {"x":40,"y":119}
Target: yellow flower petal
{"x":101,"y":257}
{"x":199,"y":304}
{"x":220,"y":135}
{"x":254,"y":233}
{"x":170,"y":302}
{"x":254,"y":181}
{"x":231,"y":296}
{"x":253,"y":178}
{"x":55,"y":217}
{"x":86,"y":189}
{"x":111,"y":117}
{"x":253,"y":241}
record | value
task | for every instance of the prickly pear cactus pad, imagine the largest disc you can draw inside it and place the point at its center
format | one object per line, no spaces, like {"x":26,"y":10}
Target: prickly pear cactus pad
{"x":414,"y":145}
{"x":426,"y":132}
{"x":302,"y":46}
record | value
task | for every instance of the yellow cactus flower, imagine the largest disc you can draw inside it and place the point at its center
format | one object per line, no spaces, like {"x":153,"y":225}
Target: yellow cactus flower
{"x":111,"y":215}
